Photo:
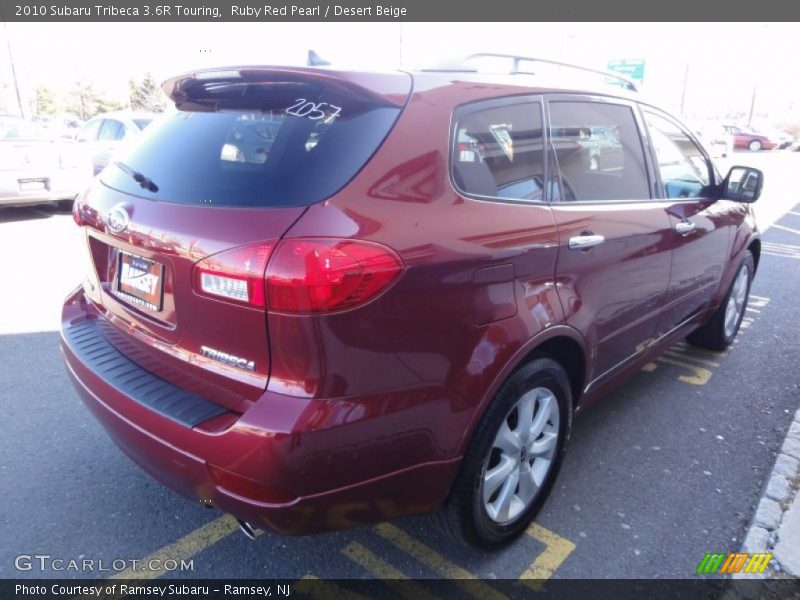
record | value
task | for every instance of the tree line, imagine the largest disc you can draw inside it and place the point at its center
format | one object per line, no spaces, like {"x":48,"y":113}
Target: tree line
{"x":84,"y":100}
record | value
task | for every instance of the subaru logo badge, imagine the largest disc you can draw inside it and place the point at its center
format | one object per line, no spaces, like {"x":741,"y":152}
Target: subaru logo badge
{"x":118,"y":219}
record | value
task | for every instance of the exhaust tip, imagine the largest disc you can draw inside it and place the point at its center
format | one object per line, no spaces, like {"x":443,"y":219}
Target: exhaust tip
{"x":247,"y":529}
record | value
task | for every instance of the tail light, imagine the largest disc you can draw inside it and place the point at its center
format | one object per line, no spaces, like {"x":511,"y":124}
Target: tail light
{"x":321,"y":275}
{"x":236,"y":274}
{"x":300,"y":275}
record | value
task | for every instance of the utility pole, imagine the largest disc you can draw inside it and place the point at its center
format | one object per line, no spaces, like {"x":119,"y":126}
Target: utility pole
{"x":683,"y":93}
{"x":13,"y":70}
{"x":752,"y":105}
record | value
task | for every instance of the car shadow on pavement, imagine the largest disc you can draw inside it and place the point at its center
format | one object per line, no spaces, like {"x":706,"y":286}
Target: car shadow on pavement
{"x":30,"y":213}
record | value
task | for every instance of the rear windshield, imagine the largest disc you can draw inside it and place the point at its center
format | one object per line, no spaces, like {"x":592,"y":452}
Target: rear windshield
{"x":299,"y":147}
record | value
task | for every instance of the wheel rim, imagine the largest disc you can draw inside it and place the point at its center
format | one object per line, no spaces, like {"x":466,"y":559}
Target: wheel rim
{"x":736,"y":302}
{"x":521,"y":456}
{"x":755,"y":145}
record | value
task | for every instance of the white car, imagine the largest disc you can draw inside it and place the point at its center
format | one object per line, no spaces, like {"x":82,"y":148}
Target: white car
{"x":35,"y":168}
{"x":106,"y":133}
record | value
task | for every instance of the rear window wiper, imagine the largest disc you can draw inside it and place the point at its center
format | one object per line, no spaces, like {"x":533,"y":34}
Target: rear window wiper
{"x":140,"y":178}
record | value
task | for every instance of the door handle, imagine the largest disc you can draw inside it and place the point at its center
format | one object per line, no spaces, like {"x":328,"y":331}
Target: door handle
{"x":685,"y":227}
{"x":584,"y":241}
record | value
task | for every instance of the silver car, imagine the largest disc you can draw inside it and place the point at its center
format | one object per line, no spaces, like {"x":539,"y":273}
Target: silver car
{"x":35,"y":168}
{"x":104,"y":134}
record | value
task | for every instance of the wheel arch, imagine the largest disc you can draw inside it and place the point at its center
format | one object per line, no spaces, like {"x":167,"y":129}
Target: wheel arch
{"x":562,"y":343}
{"x":755,"y":248}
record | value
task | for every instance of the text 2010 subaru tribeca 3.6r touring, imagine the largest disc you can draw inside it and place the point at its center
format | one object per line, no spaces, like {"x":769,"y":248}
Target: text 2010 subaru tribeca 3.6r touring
{"x":319,"y":299}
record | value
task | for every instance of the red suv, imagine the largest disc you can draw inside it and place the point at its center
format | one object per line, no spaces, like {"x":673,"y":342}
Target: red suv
{"x":317,"y":299}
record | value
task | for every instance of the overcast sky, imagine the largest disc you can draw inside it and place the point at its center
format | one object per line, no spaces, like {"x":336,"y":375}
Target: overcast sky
{"x":725,"y":60}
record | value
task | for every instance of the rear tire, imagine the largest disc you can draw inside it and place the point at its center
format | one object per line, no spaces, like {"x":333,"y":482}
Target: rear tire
{"x":755,"y":145}
{"x":721,"y":330}
{"x":513,"y":459}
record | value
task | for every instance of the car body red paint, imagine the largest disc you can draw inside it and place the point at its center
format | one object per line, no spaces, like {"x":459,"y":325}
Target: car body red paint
{"x":363,"y":414}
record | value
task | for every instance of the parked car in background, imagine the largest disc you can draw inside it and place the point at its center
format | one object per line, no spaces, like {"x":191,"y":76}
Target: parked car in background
{"x":36,"y":168}
{"x":317,"y":299}
{"x":749,"y":140}
{"x":783,"y":139}
{"x":66,"y":126}
{"x":716,"y":139}
{"x":106,"y":133}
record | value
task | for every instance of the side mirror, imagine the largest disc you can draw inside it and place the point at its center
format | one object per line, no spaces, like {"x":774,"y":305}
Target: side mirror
{"x":743,"y":184}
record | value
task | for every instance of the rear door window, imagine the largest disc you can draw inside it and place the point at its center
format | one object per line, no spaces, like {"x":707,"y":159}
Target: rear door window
{"x":599,"y":151}
{"x":498,"y":153}
{"x":301,"y":144}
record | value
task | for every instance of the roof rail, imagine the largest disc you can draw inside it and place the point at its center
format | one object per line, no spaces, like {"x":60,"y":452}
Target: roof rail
{"x":628,"y":84}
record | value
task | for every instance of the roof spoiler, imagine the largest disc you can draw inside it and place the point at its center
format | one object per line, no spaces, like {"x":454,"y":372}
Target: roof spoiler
{"x":243,"y":87}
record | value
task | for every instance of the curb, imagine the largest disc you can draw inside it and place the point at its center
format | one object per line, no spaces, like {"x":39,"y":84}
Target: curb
{"x":780,"y":497}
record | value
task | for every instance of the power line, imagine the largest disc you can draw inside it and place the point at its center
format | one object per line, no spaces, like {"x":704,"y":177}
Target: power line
{"x":13,"y":70}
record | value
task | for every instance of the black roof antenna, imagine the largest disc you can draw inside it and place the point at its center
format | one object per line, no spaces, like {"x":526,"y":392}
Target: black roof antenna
{"x":315,"y":60}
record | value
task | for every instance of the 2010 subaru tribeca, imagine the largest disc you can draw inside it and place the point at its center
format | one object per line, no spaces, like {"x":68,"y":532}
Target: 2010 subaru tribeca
{"x":317,"y":299}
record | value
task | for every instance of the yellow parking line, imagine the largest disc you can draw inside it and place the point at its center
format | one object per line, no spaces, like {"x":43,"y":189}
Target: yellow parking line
{"x":380,"y":569}
{"x":437,"y":562}
{"x":701,"y":376}
{"x":188,"y":546}
{"x":682,"y":355}
{"x":313,"y":586}
{"x":556,"y":551}
{"x":684,"y":347}
{"x":784,"y":228}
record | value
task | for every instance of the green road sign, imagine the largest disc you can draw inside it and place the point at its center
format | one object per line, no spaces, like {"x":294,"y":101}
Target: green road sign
{"x":632,"y":68}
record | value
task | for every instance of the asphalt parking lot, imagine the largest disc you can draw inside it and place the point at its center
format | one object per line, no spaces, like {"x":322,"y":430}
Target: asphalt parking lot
{"x":670,"y":466}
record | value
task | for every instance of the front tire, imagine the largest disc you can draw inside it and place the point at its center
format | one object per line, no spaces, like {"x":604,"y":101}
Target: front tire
{"x":513,"y":458}
{"x":755,"y":145}
{"x":721,"y":330}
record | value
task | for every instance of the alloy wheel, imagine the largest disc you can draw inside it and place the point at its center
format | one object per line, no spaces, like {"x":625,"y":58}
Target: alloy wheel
{"x":736,"y":301}
{"x":521,"y":456}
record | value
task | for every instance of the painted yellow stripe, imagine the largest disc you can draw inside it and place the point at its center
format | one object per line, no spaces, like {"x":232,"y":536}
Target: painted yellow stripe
{"x":185,"y":548}
{"x":685,"y":356}
{"x":556,"y":551}
{"x":380,"y":569}
{"x":700,"y":351}
{"x":313,"y":586}
{"x":784,"y":228}
{"x":701,"y":376}
{"x":437,"y":562}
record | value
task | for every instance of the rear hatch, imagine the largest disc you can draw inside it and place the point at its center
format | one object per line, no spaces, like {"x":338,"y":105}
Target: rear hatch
{"x":179,"y":229}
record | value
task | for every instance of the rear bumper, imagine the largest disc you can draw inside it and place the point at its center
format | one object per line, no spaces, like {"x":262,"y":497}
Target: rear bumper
{"x":60,"y":184}
{"x":313,"y":454}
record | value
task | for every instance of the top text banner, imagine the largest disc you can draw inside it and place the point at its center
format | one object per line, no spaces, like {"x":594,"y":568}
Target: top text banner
{"x":394,"y":10}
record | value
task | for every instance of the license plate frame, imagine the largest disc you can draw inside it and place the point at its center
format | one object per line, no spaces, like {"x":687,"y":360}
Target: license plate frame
{"x":33,"y":185}
{"x":134,"y":281}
